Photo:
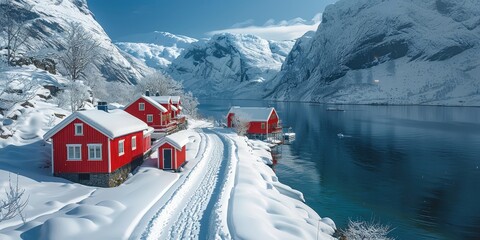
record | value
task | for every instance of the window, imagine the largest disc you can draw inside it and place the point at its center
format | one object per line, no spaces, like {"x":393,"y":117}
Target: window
{"x":161,"y":119}
{"x":74,"y":152}
{"x":149,"y":118}
{"x":134,"y":142}
{"x":263,"y":125}
{"x":94,"y":151}
{"x":121,"y":147}
{"x":141,"y":106}
{"x":78,"y":129}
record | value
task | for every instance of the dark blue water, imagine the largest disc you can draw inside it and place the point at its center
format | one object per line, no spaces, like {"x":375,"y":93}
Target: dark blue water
{"x":414,"y":168}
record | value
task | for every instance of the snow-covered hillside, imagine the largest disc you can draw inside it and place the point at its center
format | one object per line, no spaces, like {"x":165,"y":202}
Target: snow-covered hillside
{"x":388,"y":52}
{"x":225,"y":190}
{"x":229,"y":65}
{"x":47,"y":21}
{"x":156,"y":49}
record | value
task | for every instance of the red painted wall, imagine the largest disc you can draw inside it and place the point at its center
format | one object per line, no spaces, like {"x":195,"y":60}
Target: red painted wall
{"x":67,"y":136}
{"x":147,"y":143}
{"x":129,"y":155}
{"x":92,"y":136}
{"x":256,"y":127}
{"x":179,"y":154}
{"x":149,"y":109}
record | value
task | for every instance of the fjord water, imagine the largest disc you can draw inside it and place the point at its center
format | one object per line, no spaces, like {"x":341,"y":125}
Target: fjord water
{"x":415,"y":168}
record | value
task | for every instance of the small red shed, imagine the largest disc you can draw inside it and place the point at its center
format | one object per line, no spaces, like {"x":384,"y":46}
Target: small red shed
{"x":95,"y":147}
{"x":261,"y":120}
{"x":172,"y":151}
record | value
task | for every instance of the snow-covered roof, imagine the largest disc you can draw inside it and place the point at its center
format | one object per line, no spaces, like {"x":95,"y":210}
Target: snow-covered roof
{"x":151,"y":101}
{"x":175,"y":99}
{"x":112,"y":124}
{"x":161,"y":99}
{"x":178,"y":140}
{"x":174,"y":108}
{"x":252,"y":114}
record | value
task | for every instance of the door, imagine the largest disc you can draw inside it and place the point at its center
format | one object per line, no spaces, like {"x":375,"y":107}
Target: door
{"x":167,"y":158}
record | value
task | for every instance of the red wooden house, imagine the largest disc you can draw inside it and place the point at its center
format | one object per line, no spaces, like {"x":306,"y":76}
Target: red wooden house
{"x":98,"y":148}
{"x":153,"y":113}
{"x":262,"y":122}
{"x":177,"y":110}
{"x":172,"y":150}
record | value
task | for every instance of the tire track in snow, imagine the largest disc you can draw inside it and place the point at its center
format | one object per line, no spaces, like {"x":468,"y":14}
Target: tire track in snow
{"x":197,"y":219}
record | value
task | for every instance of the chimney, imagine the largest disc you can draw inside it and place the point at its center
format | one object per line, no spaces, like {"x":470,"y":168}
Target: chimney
{"x":147,"y":93}
{"x":157,"y":94}
{"x":103,"y":106}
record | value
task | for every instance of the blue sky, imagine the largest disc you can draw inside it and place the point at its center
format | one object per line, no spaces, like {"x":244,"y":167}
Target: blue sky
{"x":201,"y":18}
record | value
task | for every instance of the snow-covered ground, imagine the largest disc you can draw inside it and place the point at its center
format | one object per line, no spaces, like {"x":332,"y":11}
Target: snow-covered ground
{"x":225,"y":191}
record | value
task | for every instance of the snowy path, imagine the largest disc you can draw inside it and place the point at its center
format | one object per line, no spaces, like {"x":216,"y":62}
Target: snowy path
{"x":195,"y":210}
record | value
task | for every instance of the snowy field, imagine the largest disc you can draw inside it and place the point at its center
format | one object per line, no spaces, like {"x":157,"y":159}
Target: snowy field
{"x":226,"y":191}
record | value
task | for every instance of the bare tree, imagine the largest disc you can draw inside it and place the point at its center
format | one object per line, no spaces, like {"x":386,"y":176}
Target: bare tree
{"x":241,"y":126}
{"x":167,"y":86}
{"x":16,"y":89}
{"x":159,"y":83}
{"x":359,"y":230}
{"x":73,"y":96}
{"x":97,"y":85}
{"x":12,"y":205}
{"x":117,"y":92}
{"x":79,"y":53}
{"x":14,"y":27}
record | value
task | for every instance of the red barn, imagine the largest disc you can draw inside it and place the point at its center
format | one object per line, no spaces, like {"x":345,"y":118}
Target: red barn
{"x":172,"y":150}
{"x":98,"y":148}
{"x":262,"y":122}
{"x":156,"y":114}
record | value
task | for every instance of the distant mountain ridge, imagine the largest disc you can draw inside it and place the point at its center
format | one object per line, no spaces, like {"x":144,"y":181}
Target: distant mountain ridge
{"x":156,"y":49}
{"x":229,"y":65}
{"x":423,"y":52}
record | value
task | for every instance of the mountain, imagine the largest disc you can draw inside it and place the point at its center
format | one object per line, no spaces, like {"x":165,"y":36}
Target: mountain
{"x":156,"y":49}
{"x":387,"y":52}
{"x":229,"y":65}
{"x":47,"y":21}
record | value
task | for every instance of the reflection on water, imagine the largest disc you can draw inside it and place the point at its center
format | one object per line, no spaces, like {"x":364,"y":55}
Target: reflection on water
{"x":415,"y":168}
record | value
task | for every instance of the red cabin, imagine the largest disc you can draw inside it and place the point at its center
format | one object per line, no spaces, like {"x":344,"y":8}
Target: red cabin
{"x":154,"y":113}
{"x":172,"y":150}
{"x":262,"y":122}
{"x":98,"y":148}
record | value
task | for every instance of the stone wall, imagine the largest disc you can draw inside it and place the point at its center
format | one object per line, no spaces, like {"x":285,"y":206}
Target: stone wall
{"x":103,"y":179}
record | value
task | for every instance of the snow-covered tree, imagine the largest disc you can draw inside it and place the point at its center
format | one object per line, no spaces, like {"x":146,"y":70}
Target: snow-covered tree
{"x":240,"y":126}
{"x":159,"y":83}
{"x":80,"y":51}
{"x":167,"y":86}
{"x":359,"y":230}
{"x":16,"y":89}
{"x":12,"y":204}
{"x":74,"y":96}
{"x":96,"y":84}
{"x":117,"y":92}
{"x":14,"y":27}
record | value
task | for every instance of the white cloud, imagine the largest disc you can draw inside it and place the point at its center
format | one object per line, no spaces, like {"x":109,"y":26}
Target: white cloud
{"x":281,"y":30}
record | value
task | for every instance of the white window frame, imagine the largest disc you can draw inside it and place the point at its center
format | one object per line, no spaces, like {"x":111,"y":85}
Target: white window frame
{"x":122,"y":143}
{"x":134,"y":142}
{"x":151,"y":116}
{"x":96,"y":158}
{"x":81,"y":127}
{"x":68,"y":152}
{"x":141,"y":106}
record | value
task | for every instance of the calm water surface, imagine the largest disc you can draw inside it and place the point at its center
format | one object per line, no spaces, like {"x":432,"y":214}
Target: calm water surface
{"x":414,"y":168}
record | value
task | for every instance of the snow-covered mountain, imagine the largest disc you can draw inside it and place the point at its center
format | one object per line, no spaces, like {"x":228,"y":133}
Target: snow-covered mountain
{"x":156,"y":49}
{"x":388,"y":52}
{"x":229,"y":65}
{"x":47,"y":21}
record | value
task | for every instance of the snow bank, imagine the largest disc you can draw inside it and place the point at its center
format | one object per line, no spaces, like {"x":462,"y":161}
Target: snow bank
{"x":263,"y":208}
